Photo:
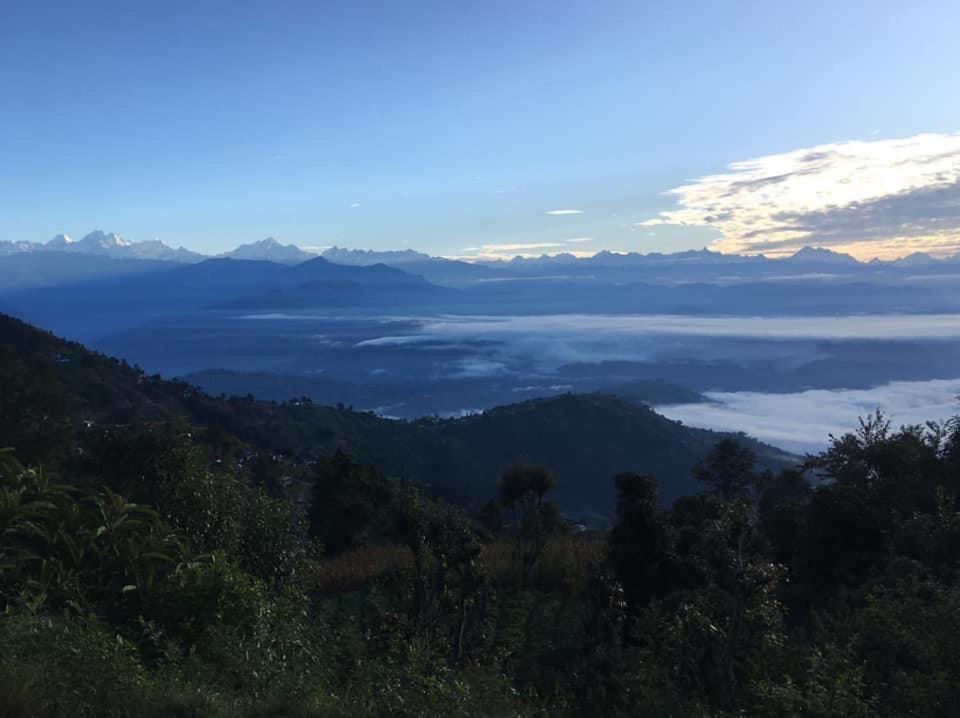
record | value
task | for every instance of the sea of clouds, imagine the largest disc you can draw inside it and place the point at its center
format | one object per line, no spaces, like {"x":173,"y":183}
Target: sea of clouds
{"x":803,"y":421}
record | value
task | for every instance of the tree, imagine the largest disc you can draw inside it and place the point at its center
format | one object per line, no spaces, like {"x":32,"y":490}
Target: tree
{"x":34,"y":410}
{"x":448,"y":571}
{"x":490,"y":517}
{"x":790,"y":485}
{"x":728,"y":470}
{"x":726,"y":629}
{"x":522,"y":490}
{"x":640,"y":541}
{"x":350,"y":503}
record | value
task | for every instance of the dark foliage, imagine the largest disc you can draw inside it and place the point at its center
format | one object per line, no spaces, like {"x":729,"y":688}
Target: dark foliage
{"x":153,"y":562}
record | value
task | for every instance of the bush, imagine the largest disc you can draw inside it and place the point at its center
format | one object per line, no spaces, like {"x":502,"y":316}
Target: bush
{"x":68,"y":667}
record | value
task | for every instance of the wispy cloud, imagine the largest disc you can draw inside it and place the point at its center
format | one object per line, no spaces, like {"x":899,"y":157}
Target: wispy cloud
{"x":578,"y":240}
{"x":476,"y":368}
{"x":578,"y":326}
{"x":883,"y":198}
{"x":562,"y":212}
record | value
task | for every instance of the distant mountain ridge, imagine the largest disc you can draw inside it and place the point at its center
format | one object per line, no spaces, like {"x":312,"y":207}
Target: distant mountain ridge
{"x":104,"y":244}
{"x":342,"y":255}
{"x":271,"y":250}
{"x":115,"y":246}
{"x":57,"y":262}
{"x":98,"y":304}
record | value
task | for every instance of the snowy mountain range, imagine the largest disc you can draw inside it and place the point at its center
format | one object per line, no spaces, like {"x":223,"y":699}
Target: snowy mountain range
{"x":104,"y":244}
{"x":270,"y":250}
{"x":114,"y":246}
{"x":342,"y":255}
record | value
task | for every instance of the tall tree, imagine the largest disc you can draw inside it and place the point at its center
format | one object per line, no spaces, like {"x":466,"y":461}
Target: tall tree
{"x":728,"y":470}
{"x":522,"y":490}
{"x":640,"y":541}
{"x":350,"y":504}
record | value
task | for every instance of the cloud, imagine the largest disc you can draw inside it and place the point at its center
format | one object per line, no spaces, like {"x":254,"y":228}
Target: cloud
{"x":477,"y":368}
{"x":562,"y":212}
{"x":354,"y":205}
{"x":578,"y":240}
{"x":547,"y":342}
{"x":876,"y":198}
{"x":802,"y":421}
{"x":394,"y":341}
{"x":581,"y":326}
{"x":506,"y":251}
{"x":584,"y":328}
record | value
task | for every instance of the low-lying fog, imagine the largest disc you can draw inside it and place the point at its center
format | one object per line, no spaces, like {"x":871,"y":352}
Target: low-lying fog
{"x":802,"y":421}
{"x":789,"y":380}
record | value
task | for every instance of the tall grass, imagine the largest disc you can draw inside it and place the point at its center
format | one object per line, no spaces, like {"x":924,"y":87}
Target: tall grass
{"x":356,"y":569}
{"x":567,"y":564}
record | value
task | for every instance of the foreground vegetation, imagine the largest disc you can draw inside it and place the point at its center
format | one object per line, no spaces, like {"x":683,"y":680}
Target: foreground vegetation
{"x":157,"y":567}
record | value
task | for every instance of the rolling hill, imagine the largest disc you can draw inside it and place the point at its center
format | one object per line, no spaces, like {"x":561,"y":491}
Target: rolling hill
{"x":585,"y":439}
{"x":88,"y":310}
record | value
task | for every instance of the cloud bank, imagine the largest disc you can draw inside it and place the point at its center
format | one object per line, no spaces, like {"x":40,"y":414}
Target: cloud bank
{"x":879,"y":198}
{"x":579,"y":327}
{"x":803,"y":421}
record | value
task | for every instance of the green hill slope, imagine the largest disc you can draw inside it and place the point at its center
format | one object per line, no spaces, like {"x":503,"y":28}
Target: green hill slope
{"x":584,"y":439}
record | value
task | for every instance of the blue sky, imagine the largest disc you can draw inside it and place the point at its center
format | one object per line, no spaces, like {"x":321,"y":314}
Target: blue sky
{"x":451,"y":127}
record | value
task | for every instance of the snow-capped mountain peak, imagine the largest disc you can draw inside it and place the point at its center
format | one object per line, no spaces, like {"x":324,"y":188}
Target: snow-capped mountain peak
{"x":271,"y":250}
{"x":917,"y":259}
{"x":107,"y":244}
{"x":820,"y":255}
{"x":99,"y":238}
{"x":360,"y":257}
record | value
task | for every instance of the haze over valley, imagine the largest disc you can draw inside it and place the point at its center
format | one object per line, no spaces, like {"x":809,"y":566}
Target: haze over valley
{"x":704,"y":337}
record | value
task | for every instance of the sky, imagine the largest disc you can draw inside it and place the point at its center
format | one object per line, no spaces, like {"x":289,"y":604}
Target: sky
{"x":490,"y":129}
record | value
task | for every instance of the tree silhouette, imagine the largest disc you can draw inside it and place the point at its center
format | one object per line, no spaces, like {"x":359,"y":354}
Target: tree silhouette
{"x":728,"y":470}
{"x":522,"y":490}
{"x":639,"y":542}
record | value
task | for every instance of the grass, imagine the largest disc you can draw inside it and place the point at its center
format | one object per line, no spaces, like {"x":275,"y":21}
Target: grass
{"x":567,"y":564}
{"x":356,"y":569}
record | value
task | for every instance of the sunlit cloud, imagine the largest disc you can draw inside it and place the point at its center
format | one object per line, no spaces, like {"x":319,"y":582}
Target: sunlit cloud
{"x":503,"y":252}
{"x":578,"y":240}
{"x":562,"y":212}
{"x":876,"y":198}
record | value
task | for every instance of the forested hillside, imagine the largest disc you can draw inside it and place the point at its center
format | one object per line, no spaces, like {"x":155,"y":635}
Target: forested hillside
{"x":167,"y":553}
{"x":585,"y":439}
